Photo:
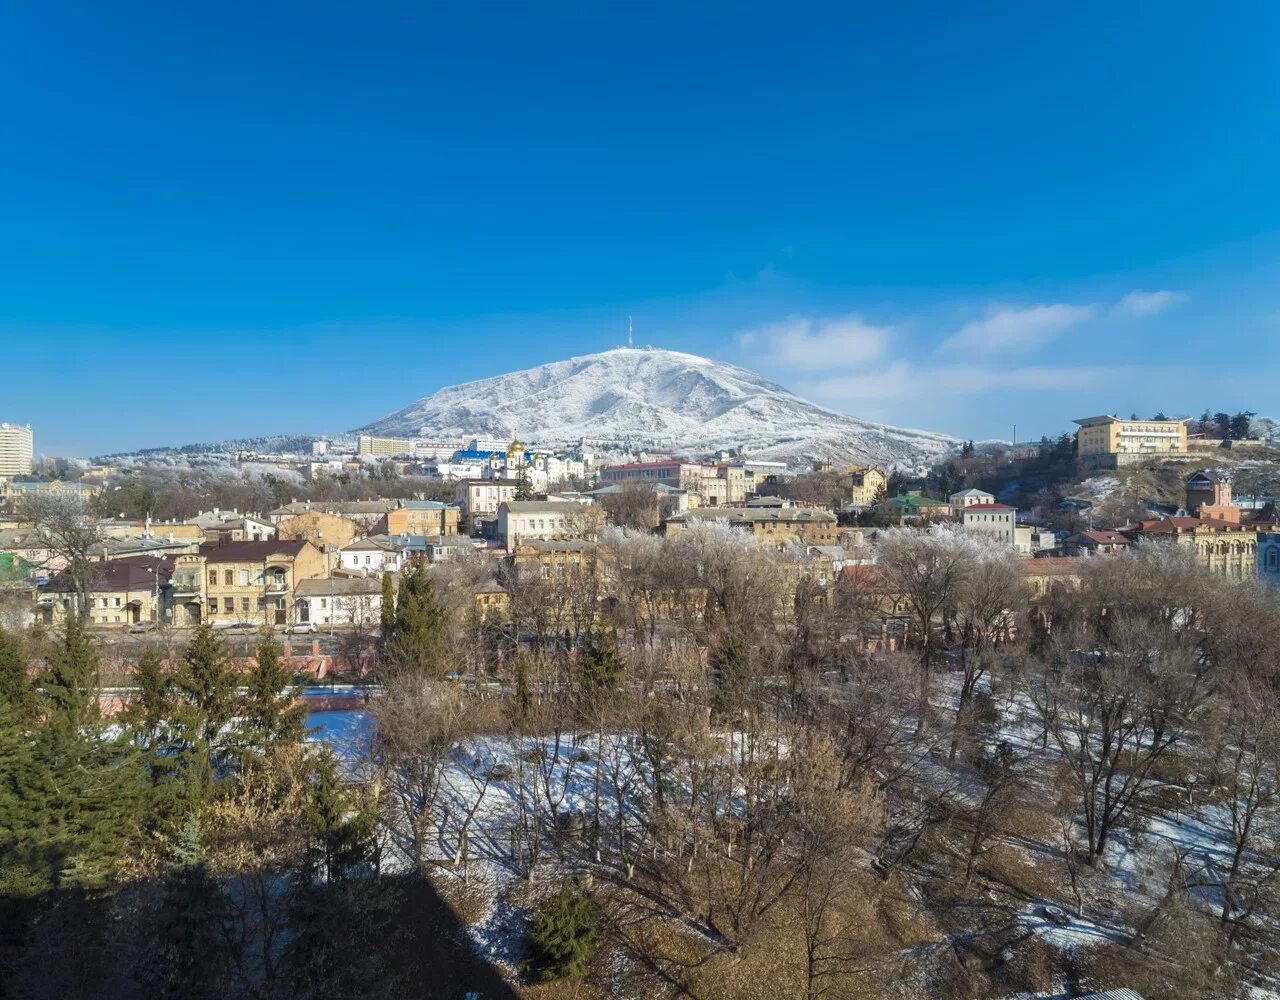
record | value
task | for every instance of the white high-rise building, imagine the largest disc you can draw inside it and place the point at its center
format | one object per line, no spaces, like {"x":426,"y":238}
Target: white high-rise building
{"x":16,"y":451}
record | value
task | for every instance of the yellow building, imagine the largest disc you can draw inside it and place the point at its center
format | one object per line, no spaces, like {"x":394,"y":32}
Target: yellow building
{"x":244,"y":581}
{"x":1220,"y":546}
{"x":324,"y":530}
{"x":122,"y":592}
{"x":380,"y":447}
{"x":865,"y":484}
{"x":1120,"y":441}
{"x":423,"y":517}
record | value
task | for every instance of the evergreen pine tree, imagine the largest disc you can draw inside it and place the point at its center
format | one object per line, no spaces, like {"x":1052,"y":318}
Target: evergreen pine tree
{"x":272,"y":715}
{"x":16,"y":690}
{"x":599,"y":665}
{"x":341,"y":826}
{"x":69,"y":681}
{"x":418,"y":637}
{"x":150,"y":711}
{"x":207,"y":702}
{"x":562,"y":936}
{"x":524,"y":488}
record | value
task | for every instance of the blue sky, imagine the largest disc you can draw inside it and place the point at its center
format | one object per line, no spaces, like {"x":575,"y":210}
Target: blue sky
{"x":234,"y":219}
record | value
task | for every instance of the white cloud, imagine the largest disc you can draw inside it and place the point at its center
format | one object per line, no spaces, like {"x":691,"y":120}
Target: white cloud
{"x":801,"y":342}
{"x":1017,"y":328}
{"x":902,"y":381}
{"x":1139,"y":304}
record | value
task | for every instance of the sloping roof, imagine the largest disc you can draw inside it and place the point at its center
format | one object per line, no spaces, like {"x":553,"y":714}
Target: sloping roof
{"x":339,"y":507}
{"x":1104,"y":537}
{"x":426,"y":505}
{"x":252,"y":551}
{"x":119,"y":574}
{"x":971,"y":492}
{"x":374,"y":543}
{"x":340,"y":586}
{"x":541,"y":506}
{"x":559,"y":545}
{"x":989,"y":506}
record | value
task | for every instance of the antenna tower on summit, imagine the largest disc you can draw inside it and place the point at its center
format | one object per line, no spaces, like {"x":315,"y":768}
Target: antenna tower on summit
{"x":629,"y":343}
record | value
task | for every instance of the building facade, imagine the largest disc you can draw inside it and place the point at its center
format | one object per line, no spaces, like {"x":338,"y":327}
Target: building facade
{"x":423,"y":517}
{"x":17,"y":451}
{"x":996,"y":521}
{"x":1110,"y":440}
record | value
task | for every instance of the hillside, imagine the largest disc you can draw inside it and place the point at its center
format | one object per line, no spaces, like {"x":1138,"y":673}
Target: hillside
{"x":645,"y":398}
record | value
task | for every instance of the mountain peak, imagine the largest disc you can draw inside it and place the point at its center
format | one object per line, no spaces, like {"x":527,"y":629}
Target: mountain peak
{"x":652,"y":398}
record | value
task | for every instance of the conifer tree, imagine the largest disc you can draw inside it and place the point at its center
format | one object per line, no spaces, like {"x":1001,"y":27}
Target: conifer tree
{"x":272,"y":715}
{"x":205,"y":689}
{"x":418,"y":636}
{"x":388,"y":610}
{"x":562,"y":936}
{"x":599,"y":665}
{"x":16,"y":690}
{"x":69,"y":683}
{"x":150,"y":711}
{"x":341,"y":826}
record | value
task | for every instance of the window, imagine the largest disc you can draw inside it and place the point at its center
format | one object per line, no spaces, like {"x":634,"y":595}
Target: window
{"x":117,"y":602}
{"x":244,"y":605}
{"x":1273,"y":558}
{"x":227,"y":578}
{"x":213,"y":605}
{"x":213,"y":578}
{"x":244,"y":578}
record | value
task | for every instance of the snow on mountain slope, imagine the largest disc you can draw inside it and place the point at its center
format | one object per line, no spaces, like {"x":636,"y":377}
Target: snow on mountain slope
{"x":645,"y":398}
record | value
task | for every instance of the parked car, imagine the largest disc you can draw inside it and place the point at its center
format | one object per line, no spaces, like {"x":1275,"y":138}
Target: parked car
{"x":243,"y":627}
{"x":137,"y":628}
{"x":301,"y":628}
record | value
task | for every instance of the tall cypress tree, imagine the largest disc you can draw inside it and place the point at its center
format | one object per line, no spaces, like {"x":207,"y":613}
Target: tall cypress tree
{"x":272,"y":714}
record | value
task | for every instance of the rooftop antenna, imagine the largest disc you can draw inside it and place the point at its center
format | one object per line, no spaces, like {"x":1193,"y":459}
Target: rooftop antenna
{"x":629,"y":343}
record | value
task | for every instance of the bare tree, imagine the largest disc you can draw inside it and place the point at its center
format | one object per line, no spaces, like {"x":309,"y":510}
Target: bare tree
{"x":73,"y":539}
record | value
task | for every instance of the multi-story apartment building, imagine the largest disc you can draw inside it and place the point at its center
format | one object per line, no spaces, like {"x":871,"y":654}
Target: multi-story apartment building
{"x":349,"y":602}
{"x":16,"y":450}
{"x":244,"y":581}
{"x":423,"y":517}
{"x":368,"y":446}
{"x":1109,"y":440}
{"x":1221,"y":546}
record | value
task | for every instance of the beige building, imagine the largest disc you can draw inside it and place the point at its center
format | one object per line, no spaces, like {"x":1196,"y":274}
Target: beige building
{"x":17,"y":453}
{"x":865,"y":484}
{"x":423,"y":517}
{"x":244,"y":581}
{"x":123,"y":592}
{"x":1110,"y":440}
{"x":1220,"y":546}
{"x":324,"y":530}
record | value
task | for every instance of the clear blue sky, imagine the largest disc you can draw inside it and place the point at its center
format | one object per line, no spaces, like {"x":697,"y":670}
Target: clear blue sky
{"x":231,"y":219}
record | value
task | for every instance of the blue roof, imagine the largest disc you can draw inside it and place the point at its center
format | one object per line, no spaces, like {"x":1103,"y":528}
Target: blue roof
{"x":425,"y":505}
{"x":468,"y":453}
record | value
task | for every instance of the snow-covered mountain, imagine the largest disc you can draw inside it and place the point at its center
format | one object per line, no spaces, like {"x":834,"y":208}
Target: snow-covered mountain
{"x":645,"y":398}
